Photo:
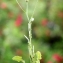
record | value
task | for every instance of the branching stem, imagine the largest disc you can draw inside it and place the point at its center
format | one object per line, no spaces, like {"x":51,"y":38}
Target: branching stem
{"x":30,"y":46}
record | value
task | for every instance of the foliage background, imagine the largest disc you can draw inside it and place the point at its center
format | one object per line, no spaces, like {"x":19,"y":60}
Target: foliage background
{"x":47,"y":30}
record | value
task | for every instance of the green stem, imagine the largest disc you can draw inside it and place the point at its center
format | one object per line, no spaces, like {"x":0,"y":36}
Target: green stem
{"x":27,"y":11}
{"x":34,"y":8}
{"x":30,"y":46}
{"x":30,"y":36}
{"x":20,"y":6}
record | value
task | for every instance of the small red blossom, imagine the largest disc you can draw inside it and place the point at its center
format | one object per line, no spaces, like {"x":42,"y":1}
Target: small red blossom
{"x":57,"y":57}
{"x":44,"y":22}
{"x":18,"y":21}
{"x":3,"y":5}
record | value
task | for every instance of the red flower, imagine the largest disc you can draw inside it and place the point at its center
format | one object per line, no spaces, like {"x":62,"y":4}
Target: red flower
{"x":57,"y":57}
{"x":44,"y":22}
{"x":3,"y":5}
{"x":18,"y":21}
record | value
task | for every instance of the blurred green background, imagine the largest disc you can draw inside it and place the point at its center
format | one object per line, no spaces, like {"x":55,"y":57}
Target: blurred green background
{"x":47,"y":30}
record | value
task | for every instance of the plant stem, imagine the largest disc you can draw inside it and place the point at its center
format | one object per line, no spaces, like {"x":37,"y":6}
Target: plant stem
{"x":20,"y":6}
{"x":27,"y":11}
{"x":34,"y":8}
{"x":30,"y":48}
